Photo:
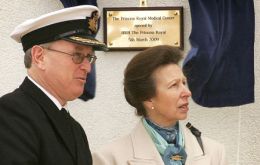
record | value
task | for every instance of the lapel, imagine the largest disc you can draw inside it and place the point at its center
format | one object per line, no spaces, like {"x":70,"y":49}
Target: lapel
{"x":52,"y":112}
{"x":146,"y":153}
{"x":83,"y":152}
{"x":144,"y":149}
{"x":193,"y":150}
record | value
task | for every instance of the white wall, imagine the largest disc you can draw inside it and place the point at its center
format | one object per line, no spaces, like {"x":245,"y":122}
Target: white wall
{"x":108,"y":116}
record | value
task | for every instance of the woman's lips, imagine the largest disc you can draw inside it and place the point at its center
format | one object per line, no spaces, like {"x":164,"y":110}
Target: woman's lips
{"x":184,"y":107}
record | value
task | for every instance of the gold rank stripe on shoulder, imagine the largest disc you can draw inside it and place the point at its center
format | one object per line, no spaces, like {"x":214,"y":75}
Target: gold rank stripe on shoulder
{"x":176,"y":157}
{"x":86,"y":40}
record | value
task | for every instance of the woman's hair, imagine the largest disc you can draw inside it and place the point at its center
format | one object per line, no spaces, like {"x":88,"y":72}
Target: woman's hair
{"x":139,"y":84}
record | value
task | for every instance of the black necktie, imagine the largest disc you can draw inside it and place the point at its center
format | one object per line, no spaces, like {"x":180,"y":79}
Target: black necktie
{"x":68,"y":118}
{"x":65,"y":113}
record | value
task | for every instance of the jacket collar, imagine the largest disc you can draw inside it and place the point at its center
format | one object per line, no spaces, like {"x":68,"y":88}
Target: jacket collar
{"x":143,"y":146}
{"x":51,"y":111}
{"x":192,"y":146}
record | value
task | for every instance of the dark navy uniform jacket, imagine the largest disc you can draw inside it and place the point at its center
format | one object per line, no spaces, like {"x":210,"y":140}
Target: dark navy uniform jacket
{"x":34,"y":132}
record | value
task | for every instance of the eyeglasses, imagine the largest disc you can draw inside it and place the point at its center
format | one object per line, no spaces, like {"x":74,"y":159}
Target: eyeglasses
{"x":77,"y":57}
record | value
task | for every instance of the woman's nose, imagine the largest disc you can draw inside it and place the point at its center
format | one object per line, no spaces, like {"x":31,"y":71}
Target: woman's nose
{"x":186,"y":92}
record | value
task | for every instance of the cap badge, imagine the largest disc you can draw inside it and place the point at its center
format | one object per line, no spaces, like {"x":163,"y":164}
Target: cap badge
{"x":93,"y":22}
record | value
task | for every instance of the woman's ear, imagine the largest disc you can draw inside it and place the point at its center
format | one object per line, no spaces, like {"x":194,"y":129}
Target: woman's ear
{"x":148,"y":104}
{"x":37,"y":53}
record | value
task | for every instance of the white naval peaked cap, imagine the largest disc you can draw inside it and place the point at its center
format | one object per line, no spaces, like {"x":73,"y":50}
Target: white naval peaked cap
{"x":75,"y":24}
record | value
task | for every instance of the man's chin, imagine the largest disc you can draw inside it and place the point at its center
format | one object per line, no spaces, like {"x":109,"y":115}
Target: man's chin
{"x":76,"y":94}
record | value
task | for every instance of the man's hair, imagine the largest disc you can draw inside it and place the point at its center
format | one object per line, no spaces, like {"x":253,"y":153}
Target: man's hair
{"x":28,"y":55}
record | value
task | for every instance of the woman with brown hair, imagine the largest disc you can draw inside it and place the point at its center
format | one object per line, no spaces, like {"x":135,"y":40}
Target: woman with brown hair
{"x":155,"y":85}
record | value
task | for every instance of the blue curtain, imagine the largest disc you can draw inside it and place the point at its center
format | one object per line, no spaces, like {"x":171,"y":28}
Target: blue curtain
{"x":90,"y":86}
{"x":70,"y":3}
{"x":220,"y":65}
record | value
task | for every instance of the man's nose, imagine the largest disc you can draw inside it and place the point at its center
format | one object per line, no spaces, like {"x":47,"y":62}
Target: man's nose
{"x":86,"y":65}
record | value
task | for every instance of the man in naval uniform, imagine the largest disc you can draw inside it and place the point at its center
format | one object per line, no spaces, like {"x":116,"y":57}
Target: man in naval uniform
{"x":35,"y":127}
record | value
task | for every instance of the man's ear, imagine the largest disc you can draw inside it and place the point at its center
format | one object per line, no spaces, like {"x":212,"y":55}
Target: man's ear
{"x":37,"y":53}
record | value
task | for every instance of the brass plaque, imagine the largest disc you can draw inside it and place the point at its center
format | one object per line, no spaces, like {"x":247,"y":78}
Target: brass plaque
{"x":143,"y":27}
